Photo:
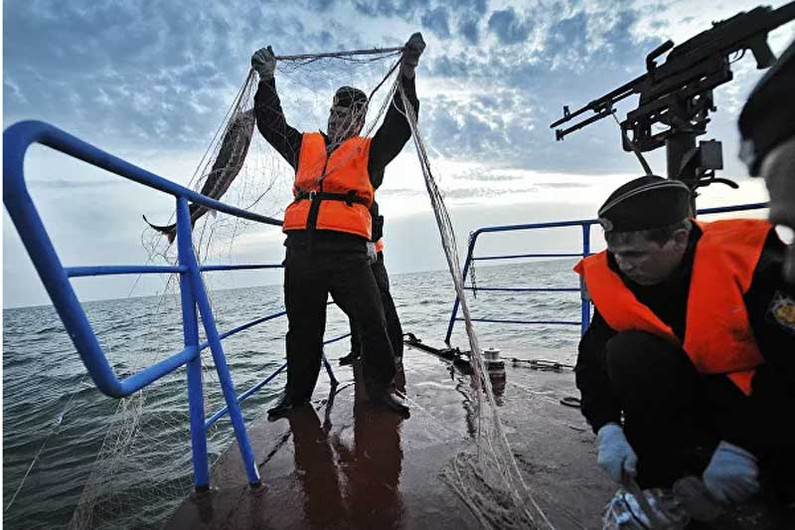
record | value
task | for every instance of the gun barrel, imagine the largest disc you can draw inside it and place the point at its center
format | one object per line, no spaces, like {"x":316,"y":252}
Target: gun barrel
{"x":604,"y":102}
{"x":561,"y":133}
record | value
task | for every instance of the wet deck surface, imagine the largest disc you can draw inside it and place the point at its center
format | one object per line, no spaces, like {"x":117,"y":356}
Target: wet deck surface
{"x":344,"y":464}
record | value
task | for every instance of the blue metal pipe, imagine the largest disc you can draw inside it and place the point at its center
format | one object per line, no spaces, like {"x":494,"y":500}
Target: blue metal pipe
{"x":516,"y":256}
{"x":224,"y":377}
{"x":253,"y":323}
{"x":243,"y":327}
{"x":244,"y":396}
{"x":335,"y":339}
{"x":149,"y":375}
{"x":18,"y":137}
{"x":213,"y":268}
{"x":190,"y":328}
{"x":106,"y":270}
{"x":248,"y":393}
{"x":526,"y":289}
{"x":585,"y":303}
{"x":497,"y":321}
{"x":470,"y":250}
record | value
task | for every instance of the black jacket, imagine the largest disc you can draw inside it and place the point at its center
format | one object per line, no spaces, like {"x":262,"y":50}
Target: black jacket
{"x":387,"y":142}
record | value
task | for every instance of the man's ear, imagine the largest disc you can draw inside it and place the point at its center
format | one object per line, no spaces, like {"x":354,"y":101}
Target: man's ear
{"x":680,"y":238}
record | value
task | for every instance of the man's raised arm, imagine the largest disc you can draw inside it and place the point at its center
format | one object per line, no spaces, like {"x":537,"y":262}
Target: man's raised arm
{"x":268,"y":109}
{"x":394,"y":132}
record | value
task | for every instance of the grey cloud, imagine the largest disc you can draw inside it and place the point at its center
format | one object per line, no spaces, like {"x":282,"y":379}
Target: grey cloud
{"x":320,"y":5}
{"x":476,"y":6}
{"x":558,"y":185}
{"x":138,"y":73}
{"x":509,"y":27}
{"x":399,"y":192}
{"x":388,"y":8}
{"x":488,"y":177}
{"x":470,"y":193}
{"x":468,"y":27}
{"x":436,"y":21}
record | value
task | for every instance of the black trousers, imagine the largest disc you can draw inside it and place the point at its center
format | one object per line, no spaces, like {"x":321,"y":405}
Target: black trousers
{"x":309,"y":277}
{"x":674,"y":417}
{"x":665,"y":421}
{"x":393,"y":328}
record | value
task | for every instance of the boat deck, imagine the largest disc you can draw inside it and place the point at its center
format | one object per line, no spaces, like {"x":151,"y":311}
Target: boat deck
{"x":345,"y":464}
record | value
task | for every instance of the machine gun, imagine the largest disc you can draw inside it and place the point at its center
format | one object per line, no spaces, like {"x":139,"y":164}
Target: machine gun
{"x":677,"y":94}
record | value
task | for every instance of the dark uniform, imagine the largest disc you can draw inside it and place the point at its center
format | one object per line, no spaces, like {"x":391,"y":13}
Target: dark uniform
{"x":673,"y":416}
{"x":393,"y":327}
{"x":327,"y":261}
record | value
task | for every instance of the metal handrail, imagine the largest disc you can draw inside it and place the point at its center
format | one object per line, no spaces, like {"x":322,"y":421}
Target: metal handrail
{"x":55,"y":277}
{"x":585,"y":225}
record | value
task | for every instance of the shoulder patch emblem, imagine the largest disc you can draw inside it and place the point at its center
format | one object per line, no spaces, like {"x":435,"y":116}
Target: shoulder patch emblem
{"x":782,"y":311}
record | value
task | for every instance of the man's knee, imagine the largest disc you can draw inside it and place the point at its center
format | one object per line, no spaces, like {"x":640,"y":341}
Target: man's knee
{"x":645,"y":369}
{"x":640,"y":354}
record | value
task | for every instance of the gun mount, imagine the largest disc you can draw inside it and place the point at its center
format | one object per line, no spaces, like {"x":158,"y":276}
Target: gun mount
{"x":675,"y":97}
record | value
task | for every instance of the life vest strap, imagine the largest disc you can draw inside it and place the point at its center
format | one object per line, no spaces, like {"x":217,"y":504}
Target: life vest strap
{"x":348,"y":198}
{"x":317,"y":197}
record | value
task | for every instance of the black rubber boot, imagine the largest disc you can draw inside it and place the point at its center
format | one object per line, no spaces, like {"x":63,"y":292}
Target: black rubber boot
{"x":393,"y":402}
{"x":348,"y":359}
{"x":284,"y":406}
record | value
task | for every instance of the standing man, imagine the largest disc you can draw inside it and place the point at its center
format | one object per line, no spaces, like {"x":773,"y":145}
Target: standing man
{"x":328,"y":226}
{"x":767,"y":125}
{"x":688,"y":366}
{"x":393,"y":327}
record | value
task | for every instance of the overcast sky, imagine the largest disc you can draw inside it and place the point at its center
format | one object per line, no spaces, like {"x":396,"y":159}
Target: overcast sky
{"x":151,"y":82}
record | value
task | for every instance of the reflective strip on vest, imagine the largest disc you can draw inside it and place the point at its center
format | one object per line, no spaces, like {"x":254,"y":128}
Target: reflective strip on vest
{"x":344,"y":171}
{"x":718,"y":334}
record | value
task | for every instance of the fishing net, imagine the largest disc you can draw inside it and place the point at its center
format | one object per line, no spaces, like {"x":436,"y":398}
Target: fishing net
{"x":143,"y":469}
{"x":487,"y":478}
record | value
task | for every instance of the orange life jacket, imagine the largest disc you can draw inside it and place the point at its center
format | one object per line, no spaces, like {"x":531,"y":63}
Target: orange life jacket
{"x":718,"y":336}
{"x":338,"y":184}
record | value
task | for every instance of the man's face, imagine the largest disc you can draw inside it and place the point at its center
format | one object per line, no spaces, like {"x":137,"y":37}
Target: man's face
{"x":778,"y":170}
{"x":343,"y":123}
{"x":647,"y":262}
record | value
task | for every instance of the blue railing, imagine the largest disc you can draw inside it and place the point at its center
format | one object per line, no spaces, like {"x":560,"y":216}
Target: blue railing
{"x":55,"y":277}
{"x":585,"y":250}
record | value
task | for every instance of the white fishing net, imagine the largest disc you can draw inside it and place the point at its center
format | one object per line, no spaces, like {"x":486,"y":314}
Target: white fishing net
{"x":143,"y":467}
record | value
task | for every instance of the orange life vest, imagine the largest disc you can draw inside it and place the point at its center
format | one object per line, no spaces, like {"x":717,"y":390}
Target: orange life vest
{"x":718,"y":336}
{"x":340,"y":183}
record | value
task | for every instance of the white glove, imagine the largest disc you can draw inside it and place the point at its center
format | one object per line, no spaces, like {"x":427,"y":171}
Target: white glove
{"x":732,"y":475}
{"x":264,"y":62}
{"x":411,"y":54}
{"x":372,"y":254}
{"x":616,"y":456}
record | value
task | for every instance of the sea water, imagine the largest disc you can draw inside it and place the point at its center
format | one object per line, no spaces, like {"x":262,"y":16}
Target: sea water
{"x":56,"y":419}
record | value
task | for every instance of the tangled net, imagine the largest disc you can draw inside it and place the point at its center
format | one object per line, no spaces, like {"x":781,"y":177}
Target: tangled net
{"x":142,"y":469}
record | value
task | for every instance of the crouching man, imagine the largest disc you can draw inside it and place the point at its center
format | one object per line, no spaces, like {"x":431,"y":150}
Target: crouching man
{"x":688,"y":366}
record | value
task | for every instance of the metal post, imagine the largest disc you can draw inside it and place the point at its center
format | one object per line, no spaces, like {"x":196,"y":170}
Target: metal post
{"x":677,"y":145}
{"x":585,"y":305}
{"x":190,"y":328}
{"x":457,"y":302}
{"x":333,"y":379}
{"x":225,"y":378}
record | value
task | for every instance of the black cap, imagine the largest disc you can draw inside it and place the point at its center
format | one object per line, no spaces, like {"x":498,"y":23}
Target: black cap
{"x":768,"y":117}
{"x":644,"y":203}
{"x":347,"y":96}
